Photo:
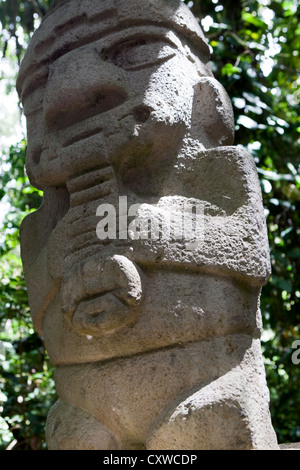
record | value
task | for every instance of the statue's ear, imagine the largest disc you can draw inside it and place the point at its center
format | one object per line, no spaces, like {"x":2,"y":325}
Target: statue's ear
{"x":212,"y":115}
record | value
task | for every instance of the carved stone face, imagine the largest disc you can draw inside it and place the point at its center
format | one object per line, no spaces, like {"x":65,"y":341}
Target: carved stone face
{"x":128,"y":88}
{"x":125,"y":97}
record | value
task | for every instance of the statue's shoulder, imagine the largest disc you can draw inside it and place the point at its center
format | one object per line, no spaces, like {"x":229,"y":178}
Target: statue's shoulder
{"x":225,"y":177}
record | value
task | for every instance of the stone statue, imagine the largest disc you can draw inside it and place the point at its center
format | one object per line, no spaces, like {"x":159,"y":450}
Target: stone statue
{"x":153,"y":324}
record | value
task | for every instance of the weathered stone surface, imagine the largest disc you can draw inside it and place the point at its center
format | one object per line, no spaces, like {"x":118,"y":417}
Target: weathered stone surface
{"x":155,"y":338}
{"x":292,"y":446}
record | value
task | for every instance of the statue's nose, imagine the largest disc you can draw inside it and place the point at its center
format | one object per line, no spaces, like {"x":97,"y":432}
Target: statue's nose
{"x":81,"y":85}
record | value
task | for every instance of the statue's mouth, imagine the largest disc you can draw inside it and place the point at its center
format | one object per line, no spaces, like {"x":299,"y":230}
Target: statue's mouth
{"x":76,"y":133}
{"x":101,"y":100}
{"x":85,"y":134}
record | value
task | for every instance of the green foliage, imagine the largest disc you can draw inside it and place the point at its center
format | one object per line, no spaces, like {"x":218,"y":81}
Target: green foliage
{"x":255,"y":54}
{"x":26,"y":379}
{"x":19,"y":18}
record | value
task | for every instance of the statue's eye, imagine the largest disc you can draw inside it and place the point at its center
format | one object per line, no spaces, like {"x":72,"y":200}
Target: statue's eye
{"x":138,"y":53}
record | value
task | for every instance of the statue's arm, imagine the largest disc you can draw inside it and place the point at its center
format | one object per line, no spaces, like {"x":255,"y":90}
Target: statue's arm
{"x":35,"y":232}
{"x":224,"y":185}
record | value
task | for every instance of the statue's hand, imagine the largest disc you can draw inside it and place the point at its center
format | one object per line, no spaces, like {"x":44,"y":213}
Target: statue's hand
{"x":101,"y":295}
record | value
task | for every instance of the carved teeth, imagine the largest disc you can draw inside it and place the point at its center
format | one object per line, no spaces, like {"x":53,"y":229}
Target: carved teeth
{"x":90,"y":179}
